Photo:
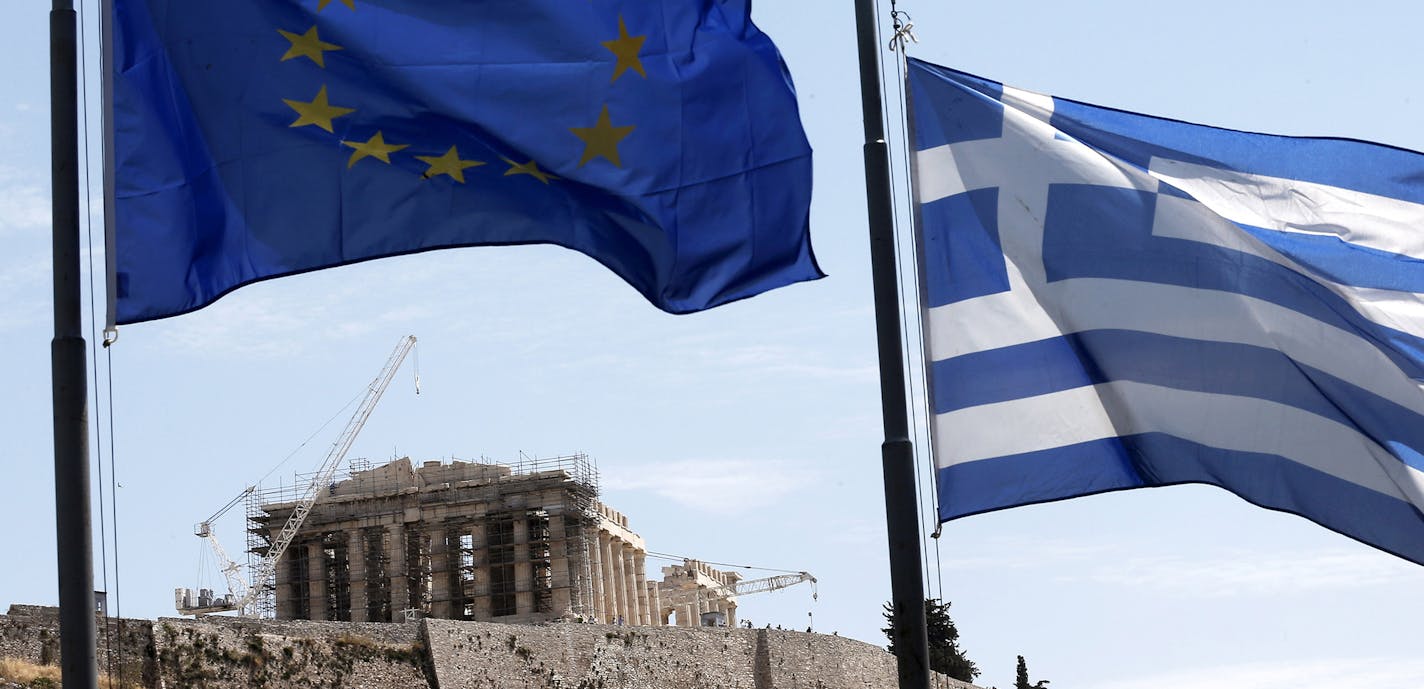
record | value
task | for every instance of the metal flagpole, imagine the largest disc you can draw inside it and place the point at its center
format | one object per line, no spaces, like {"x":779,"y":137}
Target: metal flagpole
{"x":908,"y":626}
{"x":68,"y":370}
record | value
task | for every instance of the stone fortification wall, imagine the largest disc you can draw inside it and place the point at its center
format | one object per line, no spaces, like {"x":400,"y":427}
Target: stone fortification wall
{"x":482,"y":655}
{"x":31,"y":633}
{"x":228,"y":653}
{"x":804,"y":661}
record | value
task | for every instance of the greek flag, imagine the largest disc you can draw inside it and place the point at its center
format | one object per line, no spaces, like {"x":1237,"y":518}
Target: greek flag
{"x":1119,"y":301}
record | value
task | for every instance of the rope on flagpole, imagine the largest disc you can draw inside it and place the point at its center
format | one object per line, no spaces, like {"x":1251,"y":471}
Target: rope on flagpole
{"x":85,"y":165}
{"x":902,"y":177}
{"x":906,"y":273}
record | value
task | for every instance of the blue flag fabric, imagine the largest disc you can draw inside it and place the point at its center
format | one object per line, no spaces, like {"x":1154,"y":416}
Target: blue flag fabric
{"x":1118,"y":301}
{"x":262,"y":138}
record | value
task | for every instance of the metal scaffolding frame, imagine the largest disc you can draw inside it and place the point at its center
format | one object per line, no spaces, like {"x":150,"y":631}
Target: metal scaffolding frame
{"x":447,"y":565}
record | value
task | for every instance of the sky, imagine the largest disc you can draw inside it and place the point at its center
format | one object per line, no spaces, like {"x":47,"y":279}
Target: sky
{"x":748,"y":434}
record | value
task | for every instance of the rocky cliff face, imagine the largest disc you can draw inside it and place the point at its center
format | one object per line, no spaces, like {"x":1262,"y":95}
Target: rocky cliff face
{"x":223,"y":653}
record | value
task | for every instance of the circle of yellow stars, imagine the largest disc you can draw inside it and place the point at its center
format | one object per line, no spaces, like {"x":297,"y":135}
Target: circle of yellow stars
{"x":600,"y":140}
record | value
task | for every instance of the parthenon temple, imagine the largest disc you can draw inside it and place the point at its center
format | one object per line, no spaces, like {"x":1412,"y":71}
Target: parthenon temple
{"x":526,"y":542}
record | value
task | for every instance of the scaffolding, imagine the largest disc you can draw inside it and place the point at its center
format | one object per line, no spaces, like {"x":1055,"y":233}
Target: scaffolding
{"x":259,"y":543}
{"x":376,"y":571}
{"x":378,"y":557}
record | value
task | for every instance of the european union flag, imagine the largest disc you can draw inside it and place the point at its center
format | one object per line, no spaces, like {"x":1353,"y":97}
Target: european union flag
{"x":263,"y":138}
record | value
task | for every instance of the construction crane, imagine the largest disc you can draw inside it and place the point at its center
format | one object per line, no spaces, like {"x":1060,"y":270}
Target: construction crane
{"x":742,"y":588}
{"x":678,"y":597}
{"x":241,"y":595}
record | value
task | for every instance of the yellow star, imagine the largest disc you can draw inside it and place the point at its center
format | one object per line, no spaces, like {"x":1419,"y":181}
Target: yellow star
{"x":318,"y":112}
{"x":530,"y":168}
{"x":601,"y":140}
{"x":321,"y":4}
{"x":307,"y":45}
{"x":448,"y":164}
{"x":626,"y":48}
{"x":376,"y":148}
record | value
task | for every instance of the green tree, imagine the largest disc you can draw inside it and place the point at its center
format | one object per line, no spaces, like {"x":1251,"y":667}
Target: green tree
{"x":1022,"y":678}
{"x":945,"y":655}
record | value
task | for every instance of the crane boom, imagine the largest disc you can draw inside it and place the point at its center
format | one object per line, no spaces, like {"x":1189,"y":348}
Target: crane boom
{"x":740,"y":588}
{"x":773,"y":583}
{"x":229,"y":567}
{"x":267,"y":566}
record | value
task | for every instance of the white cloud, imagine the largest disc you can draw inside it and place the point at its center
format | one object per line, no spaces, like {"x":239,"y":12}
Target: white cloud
{"x":254,"y":325}
{"x":1235,"y":573}
{"x":1315,"y":673}
{"x":856,"y":427}
{"x":723,"y":486}
{"x":22,"y":292}
{"x":396,"y":315}
{"x":855,"y":532}
{"x":1022,"y":553}
{"x":1249,"y":573}
{"x":789,"y":361}
{"x":24,"y":201}
{"x":272,"y":319}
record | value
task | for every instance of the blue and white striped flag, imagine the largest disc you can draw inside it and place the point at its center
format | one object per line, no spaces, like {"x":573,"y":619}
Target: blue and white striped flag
{"x":1119,"y":301}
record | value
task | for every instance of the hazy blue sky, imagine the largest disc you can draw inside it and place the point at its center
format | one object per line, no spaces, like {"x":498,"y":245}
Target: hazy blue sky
{"x":749,"y":433}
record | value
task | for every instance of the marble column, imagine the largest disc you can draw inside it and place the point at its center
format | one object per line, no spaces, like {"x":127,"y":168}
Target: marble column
{"x":620,"y":580}
{"x":440,"y":567}
{"x":624,"y":585}
{"x":482,"y":600}
{"x":565,"y":593}
{"x":316,"y":581}
{"x":630,"y":584}
{"x":286,"y":590}
{"x":640,"y":572}
{"x":523,"y":570}
{"x":656,"y":599}
{"x":595,"y":572}
{"x":400,"y":594}
{"x":356,"y":571}
{"x":610,"y":579}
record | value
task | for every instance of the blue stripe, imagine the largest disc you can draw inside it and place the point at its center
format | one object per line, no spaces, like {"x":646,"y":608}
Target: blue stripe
{"x":1105,"y":232}
{"x":960,"y":238}
{"x":1136,"y":138}
{"x":1101,"y":356}
{"x":1349,"y":264}
{"x":1155,"y":459}
{"x":1358,"y":165}
{"x":1098,"y":466}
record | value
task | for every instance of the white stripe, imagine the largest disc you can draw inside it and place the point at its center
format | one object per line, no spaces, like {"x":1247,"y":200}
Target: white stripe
{"x":1228,"y":422}
{"x":1038,"y":105}
{"x":937,"y":175}
{"x":1289,"y":205}
{"x":1028,"y":424}
{"x":1180,"y":218}
{"x":983,"y":324}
